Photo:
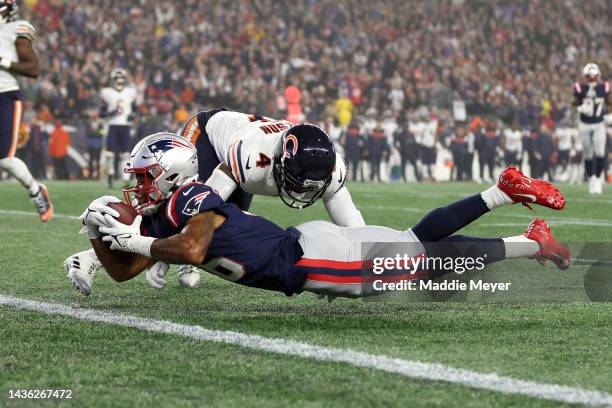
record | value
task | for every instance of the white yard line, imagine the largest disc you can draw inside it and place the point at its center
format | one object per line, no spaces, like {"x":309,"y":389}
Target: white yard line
{"x":408,"y":368}
{"x":33,"y":214}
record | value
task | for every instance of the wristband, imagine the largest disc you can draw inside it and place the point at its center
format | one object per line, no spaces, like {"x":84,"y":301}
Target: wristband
{"x":141,"y":245}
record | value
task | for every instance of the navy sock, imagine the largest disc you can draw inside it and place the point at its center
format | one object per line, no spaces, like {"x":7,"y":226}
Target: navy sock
{"x":445,"y":221}
{"x":599,"y":165}
{"x":460,"y":246}
{"x":588,"y":167}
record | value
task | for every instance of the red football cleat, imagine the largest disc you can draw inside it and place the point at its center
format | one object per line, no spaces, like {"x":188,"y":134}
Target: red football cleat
{"x":523,"y":189}
{"x":550,"y":248}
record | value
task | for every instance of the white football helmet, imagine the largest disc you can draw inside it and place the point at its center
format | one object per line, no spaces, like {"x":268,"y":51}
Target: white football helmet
{"x":118,"y":78}
{"x":162,"y":163}
{"x":8,"y":11}
{"x":591,"y":72}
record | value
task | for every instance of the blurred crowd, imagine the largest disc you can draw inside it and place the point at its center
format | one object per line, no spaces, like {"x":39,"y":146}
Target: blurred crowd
{"x":336,"y":62}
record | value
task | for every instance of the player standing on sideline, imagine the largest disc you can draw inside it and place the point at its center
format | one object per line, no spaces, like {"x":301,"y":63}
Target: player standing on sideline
{"x":590,"y":100}
{"x":576,"y":155}
{"x":185,"y":221}
{"x":17,"y":57}
{"x":563,"y":137}
{"x":512,"y":143}
{"x":119,"y":107}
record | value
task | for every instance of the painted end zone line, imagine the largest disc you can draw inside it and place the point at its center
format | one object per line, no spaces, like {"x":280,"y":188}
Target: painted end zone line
{"x":408,"y":368}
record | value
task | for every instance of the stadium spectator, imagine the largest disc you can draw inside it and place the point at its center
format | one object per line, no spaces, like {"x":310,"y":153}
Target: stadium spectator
{"x":405,"y":142}
{"x":461,"y":142}
{"x":544,"y":149}
{"x":498,"y":58}
{"x":58,"y":150}
{"x":488,"y":142}
{"x":94,"y":146}
{"x":377,"y":146}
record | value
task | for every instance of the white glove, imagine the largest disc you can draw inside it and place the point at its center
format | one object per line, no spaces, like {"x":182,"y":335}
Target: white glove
{"x":93,"y":216}
{"x":126,"y":238}
{"x":586,"y":108}
{"x":156,"y":275}
{"x":5,"y":62}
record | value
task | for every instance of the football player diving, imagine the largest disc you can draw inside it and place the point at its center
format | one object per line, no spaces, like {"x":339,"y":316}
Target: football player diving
{"x":238,"y":156}
{"x":184,"y":221}
{"x":17,"y":58}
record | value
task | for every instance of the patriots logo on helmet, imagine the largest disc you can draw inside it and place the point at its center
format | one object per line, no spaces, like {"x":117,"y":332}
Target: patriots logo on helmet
{"x":193,"y":205}
{"x":159,"y":147}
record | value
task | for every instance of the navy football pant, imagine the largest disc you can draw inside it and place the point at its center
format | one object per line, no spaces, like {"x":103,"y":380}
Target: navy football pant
{"x":11,"y":109}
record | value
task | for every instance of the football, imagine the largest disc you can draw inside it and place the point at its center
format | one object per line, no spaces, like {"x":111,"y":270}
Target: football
{"x":127,"y":213}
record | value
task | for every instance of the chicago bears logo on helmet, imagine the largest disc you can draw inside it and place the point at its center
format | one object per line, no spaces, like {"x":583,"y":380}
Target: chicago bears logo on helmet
{"x":159,"y":147}
{"x":290,"y":146}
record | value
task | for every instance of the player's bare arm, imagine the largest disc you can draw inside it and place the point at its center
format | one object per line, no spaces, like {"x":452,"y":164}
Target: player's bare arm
{"x":28,"y":59}
{"x":187,"y":247}
{"x":190,"y":246}
{"x":121,"y":266}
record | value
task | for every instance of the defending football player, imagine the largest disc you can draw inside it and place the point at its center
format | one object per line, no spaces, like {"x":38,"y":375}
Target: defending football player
{"x":186,"y":222}
{"x":239,"y":155}
{"x":591,"y":99}
{"x":17,"y":57}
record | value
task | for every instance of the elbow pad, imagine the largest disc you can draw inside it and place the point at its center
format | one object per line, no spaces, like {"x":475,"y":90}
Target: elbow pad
{"x":223,"y":184}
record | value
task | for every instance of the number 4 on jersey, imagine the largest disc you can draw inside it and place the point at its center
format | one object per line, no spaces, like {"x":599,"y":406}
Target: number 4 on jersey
{"x":264,"y":161}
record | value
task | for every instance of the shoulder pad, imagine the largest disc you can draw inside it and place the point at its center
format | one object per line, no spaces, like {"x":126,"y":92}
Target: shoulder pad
{"x":191,"y":130}
{"x":190,"y":200}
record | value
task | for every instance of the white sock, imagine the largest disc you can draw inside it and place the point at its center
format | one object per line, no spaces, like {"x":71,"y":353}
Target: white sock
{"x":494,"y":197}
{"x":18,"y":169}
{"x":520,"y":247}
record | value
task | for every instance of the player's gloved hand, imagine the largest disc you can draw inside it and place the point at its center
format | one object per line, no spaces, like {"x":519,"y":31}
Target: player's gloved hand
{"x":93,"y":216}
{"x":5,"y":62}
{"x":127,"y":238}
{"x":156,"y":275}
{"x":586,"y":108}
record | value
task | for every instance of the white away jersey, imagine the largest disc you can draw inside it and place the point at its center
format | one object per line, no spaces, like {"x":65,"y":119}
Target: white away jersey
{"x":247,"y":143}
{"x":514,"y":140}
{"x":119,"y":102}
{"x":251,"y":158}
{"x":9,"y":33}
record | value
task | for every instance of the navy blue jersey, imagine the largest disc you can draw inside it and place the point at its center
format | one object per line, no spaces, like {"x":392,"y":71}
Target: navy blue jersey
{"x":245,"y":249}
{"x":597,"y":96}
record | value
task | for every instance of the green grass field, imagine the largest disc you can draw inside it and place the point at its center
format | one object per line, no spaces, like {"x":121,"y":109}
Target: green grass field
{"x":566,"y":343}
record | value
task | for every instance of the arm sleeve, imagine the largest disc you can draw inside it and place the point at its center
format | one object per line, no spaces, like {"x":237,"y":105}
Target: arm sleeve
{"x":223,"y":184}
{"x":26,"y":30}
{"x":342,"y":210}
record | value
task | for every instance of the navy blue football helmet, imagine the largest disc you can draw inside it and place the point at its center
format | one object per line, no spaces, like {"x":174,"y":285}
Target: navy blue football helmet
{"x":304,"y":163}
